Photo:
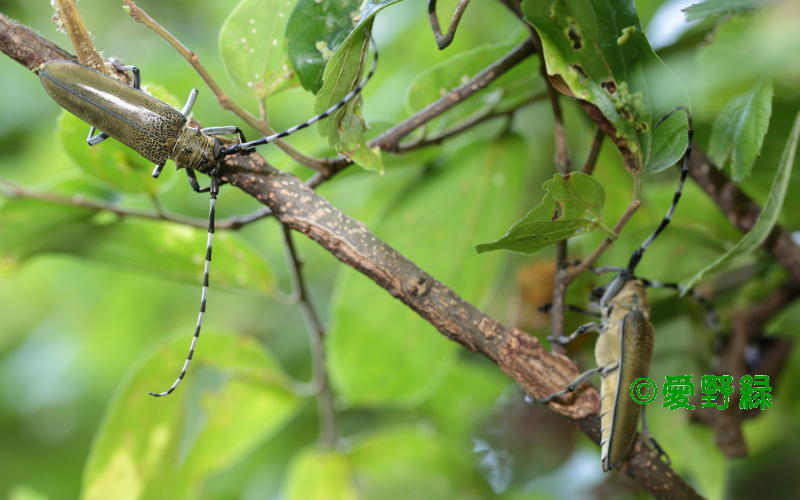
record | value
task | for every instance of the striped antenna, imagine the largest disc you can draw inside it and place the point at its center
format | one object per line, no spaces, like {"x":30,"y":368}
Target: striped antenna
{"x":637,"y":255}
{"x":204,"y":294}
{"x":291,"y":130}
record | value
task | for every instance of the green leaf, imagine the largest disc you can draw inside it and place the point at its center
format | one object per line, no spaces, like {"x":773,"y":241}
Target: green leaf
{"x":345,"y":128}
{"x":32,"y":227}
{"x":314,"y":31}
{"x":396,"y":463}
{"x":769,"y":213}
{"x":232,"y":400}
{"x":572,"y":205}
{"x":319,"y":475}
{"x":381,"y":353}
{"x":708,"y":8}
{"x":740,"y":128}
{"x":251,"y":43}
{"x":317,"y":28}
{"x":596,"y":51}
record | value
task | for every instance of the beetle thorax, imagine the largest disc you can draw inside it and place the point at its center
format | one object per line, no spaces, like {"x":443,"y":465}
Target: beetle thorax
{"x":193,"y":149}
{"x":631,"y":297}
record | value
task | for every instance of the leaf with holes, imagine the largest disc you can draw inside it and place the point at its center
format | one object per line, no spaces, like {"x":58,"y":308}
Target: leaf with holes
{"x":769,"y":213}
{"x":251,"y":42}
{"x":168,"y":447}
{"x":572,"y":205}
{"x":709,"y":8}
{"x":740,"y":128}
{"x":382,"y":354}
{"x":596,"y":51}
{"x":345,"y":128}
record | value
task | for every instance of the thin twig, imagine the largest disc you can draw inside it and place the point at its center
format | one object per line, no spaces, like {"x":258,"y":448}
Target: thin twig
{"x":589,"y":261}
{"x":69,"y":19}
{"x":594,"y":152}
{"x":224,"y":100}
{"x":443,"y":41}
{"x":13,"y":190}
{"x":468,"y":124}
{"x":316,"y":336}
{"x":390,"y":140}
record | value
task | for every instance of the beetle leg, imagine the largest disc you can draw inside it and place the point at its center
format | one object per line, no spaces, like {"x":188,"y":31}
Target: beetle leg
{"x":711,"y":313}
{"x":231,"y":129}
{"x":193,"y":182}
{"x":157,"y":170}
{"x":547,"y":307}
{"x":94,"y":140}
{"x":570,"y":388}
{"x":651,"y":440}
{"x":187,"y":108}
{"x":137,"y":77}
{"x":586,"y":327}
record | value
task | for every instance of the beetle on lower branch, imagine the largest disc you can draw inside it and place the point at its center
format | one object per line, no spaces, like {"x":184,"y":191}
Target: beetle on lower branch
{"x":159,"y":132}
{"x":624,"y":347}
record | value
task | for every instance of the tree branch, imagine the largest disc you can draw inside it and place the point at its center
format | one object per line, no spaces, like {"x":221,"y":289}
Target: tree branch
{"x":443,"y":41}
{"x":515,"y":352}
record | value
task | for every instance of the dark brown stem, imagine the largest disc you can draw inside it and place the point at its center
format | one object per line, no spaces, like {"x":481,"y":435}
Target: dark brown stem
{"x":443,"y":41}
{"x":316,"y":335}
{"x":594,"y":152}
{"x":466,"y":125}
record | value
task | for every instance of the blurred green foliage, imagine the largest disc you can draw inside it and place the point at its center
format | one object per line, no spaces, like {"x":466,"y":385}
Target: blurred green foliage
{"x":82,"y":341}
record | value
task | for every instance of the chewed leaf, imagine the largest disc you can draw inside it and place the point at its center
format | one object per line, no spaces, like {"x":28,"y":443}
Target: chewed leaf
{"x":740,"y":128}
{"x":573,"y":205}
{"x":769,"y":213}
{"x":251,"y":42}
{"x":596,"y":51}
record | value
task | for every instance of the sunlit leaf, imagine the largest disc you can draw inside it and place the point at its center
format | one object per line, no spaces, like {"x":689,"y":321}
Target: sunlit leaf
{"x":769,"y":213}
{"x":596,"y":51}
{"x":233,"y":399}
{"x":740,"y":128}
{"x":251,"y":42}
{"x":320,"y":476}
{"x":572,"y":205}
{"x":708,"y":8}
{"x":381,"y":352}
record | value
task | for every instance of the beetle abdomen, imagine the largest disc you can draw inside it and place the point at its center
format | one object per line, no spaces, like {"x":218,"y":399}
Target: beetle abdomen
{"x":140,"y":121}
{"x":619,"y":413}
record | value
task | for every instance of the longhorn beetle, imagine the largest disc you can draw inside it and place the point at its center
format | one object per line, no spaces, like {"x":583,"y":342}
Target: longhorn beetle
{"x":159,"y":132}
{"x":624,"y":347}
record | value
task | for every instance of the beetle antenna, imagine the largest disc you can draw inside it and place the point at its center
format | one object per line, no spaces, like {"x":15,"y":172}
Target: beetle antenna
{"x":291,"y":130}
{"x":213,"y":190}
{"x":637,"y":255}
